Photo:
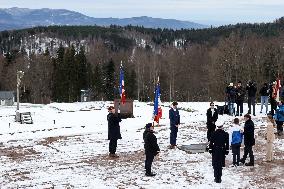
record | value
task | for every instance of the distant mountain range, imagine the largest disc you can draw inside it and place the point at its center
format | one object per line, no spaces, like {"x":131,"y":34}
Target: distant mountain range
{"x":18,"y":18}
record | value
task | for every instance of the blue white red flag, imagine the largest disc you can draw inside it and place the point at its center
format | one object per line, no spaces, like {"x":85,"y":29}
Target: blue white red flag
{"x":121,"y":85}
{"x":157,"y":114}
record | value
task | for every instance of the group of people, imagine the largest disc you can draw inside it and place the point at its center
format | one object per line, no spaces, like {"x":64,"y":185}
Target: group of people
{"x":268,"y":93}
{"x":220,"y":141}
{"x":236,"y":94}
{"x":150,"y":141}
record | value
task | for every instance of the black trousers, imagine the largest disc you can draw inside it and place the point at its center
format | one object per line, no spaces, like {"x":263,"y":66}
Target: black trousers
{"x":236,"y":153}
{"x":112,"y":146}
{"x":173,"y":135}
{"x":251,"y":102}
{"x":217,"y":172}
{"x":273,"y":105}
{"x":240,"y":107}
{"x":248,"y":150}
{"x":148,"y":162}
{"x":279,"y":126}
{"x":209,"y":132}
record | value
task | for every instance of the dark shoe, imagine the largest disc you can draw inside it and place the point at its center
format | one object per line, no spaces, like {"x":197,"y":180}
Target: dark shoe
{"x":172,"y":146}
{"x":218,"y":180}
{"x":242,"y":161}
{"x":113,"y":156}
{"x":249,"y":164}
{"x":150,"y":174}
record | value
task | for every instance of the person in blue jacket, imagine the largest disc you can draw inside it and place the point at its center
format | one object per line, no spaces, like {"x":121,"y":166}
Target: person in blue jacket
{"x":174,"y":124}
{"x":279,"y":118}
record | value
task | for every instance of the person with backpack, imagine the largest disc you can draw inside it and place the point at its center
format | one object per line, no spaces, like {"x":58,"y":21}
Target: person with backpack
{"x":279,"y":118}
{"x":151,"y":148}
{"x":235,"y":140}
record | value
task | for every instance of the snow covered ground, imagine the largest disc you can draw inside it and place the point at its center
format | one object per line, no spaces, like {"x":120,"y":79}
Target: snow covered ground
{"x":67,"y":147}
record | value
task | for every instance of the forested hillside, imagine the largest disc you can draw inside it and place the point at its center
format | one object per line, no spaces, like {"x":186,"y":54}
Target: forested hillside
{"x":193,"y":65}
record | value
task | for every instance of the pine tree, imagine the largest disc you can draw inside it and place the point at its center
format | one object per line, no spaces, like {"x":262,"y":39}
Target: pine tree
{"x":98,"y":82}
{"x":109,"y":84}
{"x":72,"y":70}
{"x":59,"y":84}
{"x":130,"y":83}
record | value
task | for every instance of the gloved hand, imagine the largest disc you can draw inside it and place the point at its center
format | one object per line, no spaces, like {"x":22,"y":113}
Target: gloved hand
{"x":227,"y":152}
{"x":210,"y":151}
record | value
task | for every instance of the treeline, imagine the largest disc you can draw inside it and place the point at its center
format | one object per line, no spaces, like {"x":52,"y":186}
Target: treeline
{"x":197,"y":69}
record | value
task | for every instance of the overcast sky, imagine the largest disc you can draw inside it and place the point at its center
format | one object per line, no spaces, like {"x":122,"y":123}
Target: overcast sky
{"x":213,"y":12}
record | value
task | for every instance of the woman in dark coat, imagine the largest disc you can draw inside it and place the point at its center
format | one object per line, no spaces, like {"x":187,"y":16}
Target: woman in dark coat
{"x":113,"y":130}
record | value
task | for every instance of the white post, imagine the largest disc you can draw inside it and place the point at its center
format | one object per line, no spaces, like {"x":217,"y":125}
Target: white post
{"x":20,"y":74}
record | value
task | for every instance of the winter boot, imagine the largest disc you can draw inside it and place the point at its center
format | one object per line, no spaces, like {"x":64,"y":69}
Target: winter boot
{"x":249,"y":164}
{"x":150,"y":174}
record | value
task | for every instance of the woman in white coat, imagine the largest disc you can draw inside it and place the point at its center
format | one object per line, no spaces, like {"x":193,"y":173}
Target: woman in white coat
{"x":270,"y":137}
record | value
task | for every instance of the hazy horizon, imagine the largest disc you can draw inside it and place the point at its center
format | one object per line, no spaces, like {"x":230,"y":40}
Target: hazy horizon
{"x":209,"y":12}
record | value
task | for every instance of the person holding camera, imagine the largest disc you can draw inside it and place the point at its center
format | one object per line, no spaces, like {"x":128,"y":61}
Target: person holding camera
{"x":240,"y":97}
{"x":231,"y":97}
{"x":251,"y":88}
{"x":219,"y":147}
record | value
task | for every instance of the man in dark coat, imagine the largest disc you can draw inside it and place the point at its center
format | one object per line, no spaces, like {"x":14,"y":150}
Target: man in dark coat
{"x":151,"y":148}
{"x":231,"y":97}
{"x":219,"y":145}
{"x":251,"y":88}
{"x":113,"y":130}
{"x":249,"y":140}
{"x":174,"y":124}
{"x":212,"y":116}
{"x":240,"y":97}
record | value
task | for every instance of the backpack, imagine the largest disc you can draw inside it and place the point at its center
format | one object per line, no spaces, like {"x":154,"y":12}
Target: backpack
{"x":237,"y":137}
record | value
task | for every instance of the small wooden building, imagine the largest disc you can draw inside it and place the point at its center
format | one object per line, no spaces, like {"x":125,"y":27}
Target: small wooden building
{"x":7,"y":98}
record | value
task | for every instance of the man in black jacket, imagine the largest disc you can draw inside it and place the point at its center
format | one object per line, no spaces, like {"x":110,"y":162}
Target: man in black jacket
{"x":249,"y":140}
{"x":212,"y":116}
{"x":251,"y":88}
{"x":151,"y":148}
{"x":219,"y":146}
{"x":113,"y":130}
{"x":240,"y":96}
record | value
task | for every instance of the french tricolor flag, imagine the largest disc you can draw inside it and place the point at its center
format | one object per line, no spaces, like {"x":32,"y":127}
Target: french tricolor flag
{"x":121,"y":85}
